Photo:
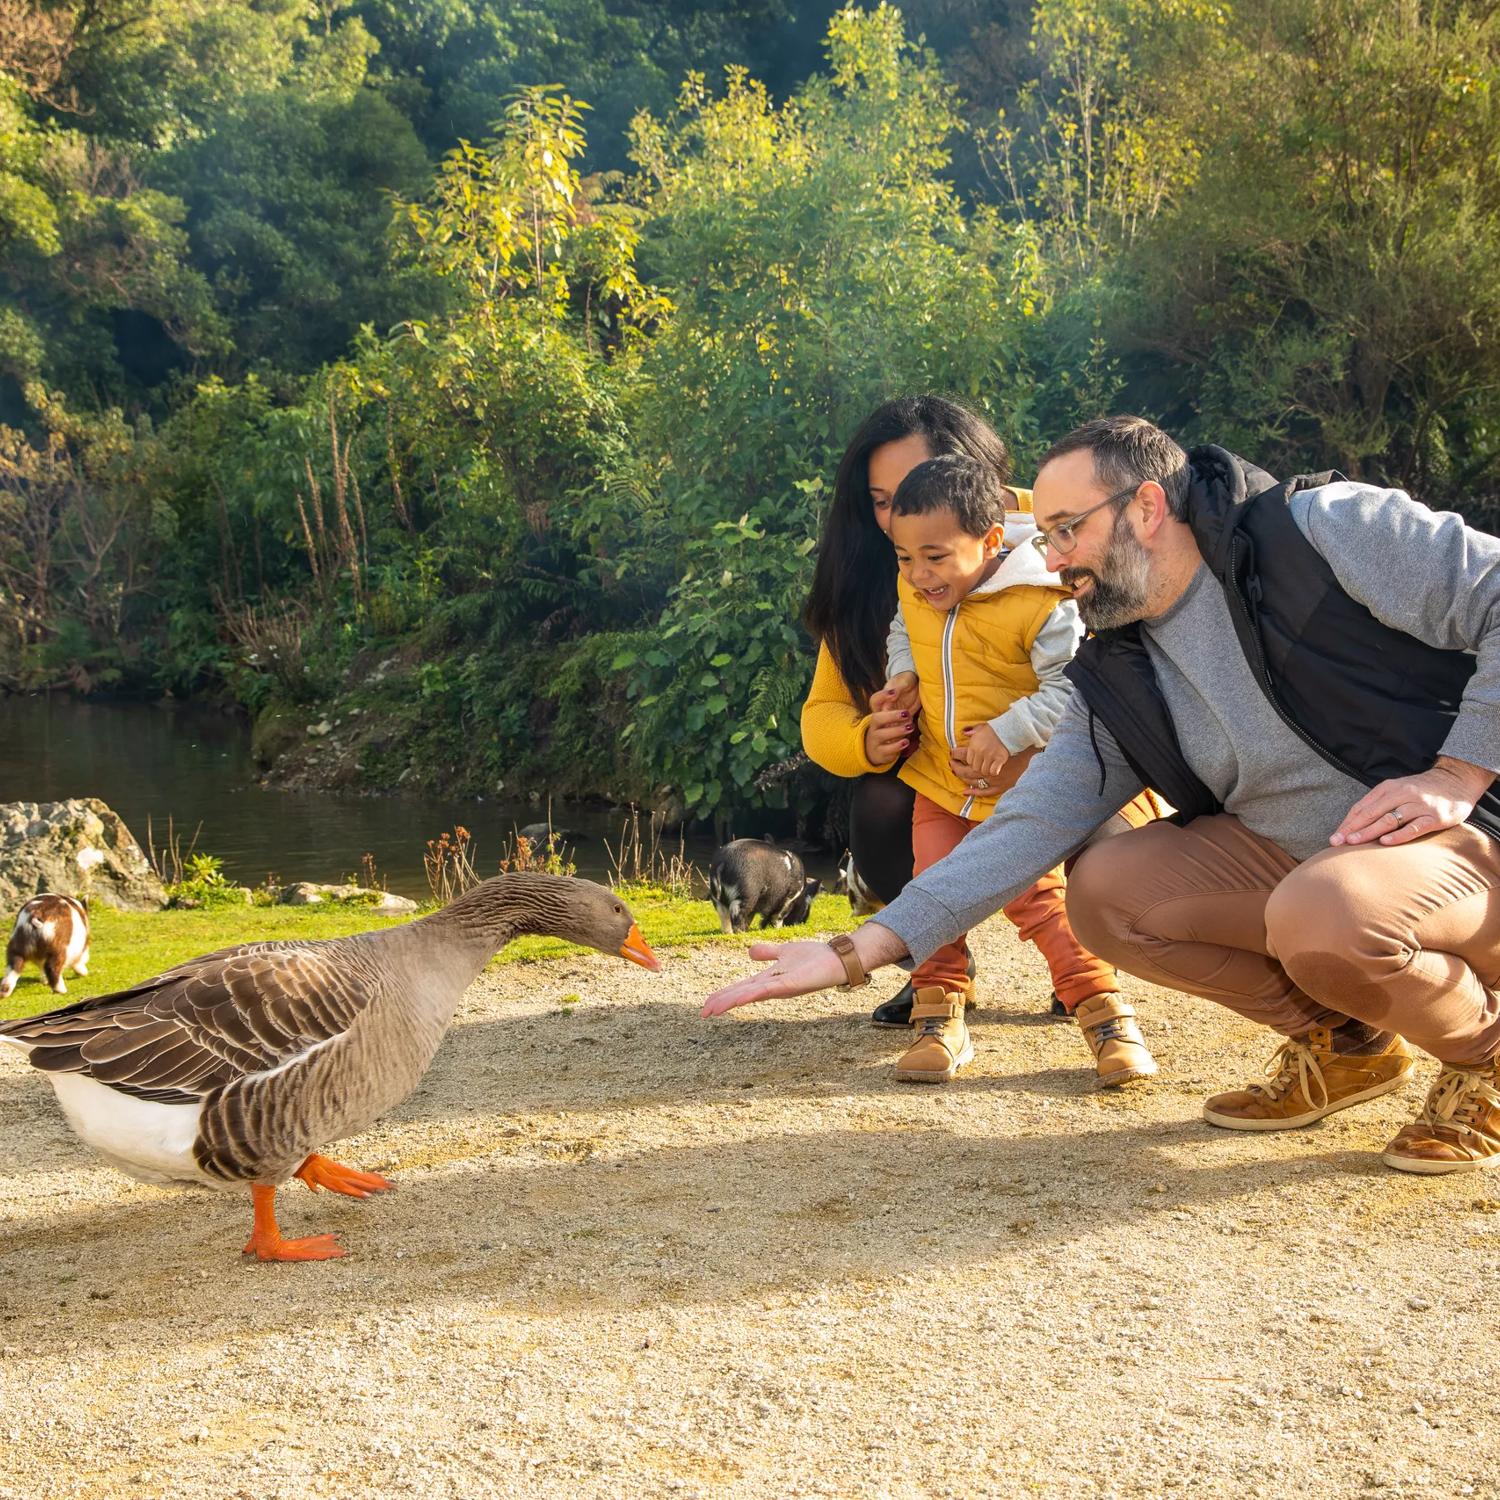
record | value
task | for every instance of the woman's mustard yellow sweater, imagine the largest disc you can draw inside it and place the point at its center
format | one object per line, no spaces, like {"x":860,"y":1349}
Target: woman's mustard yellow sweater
{"x":833,"y":728}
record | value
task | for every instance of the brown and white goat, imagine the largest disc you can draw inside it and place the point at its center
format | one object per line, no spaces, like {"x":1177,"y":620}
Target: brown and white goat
{"x":52,"y":931}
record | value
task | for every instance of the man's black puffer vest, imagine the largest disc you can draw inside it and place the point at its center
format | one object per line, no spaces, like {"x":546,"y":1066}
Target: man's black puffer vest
{"x":1373,"y":701}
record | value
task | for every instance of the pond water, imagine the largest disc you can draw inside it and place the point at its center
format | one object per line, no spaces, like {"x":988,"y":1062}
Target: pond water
{"x":159,"y":763}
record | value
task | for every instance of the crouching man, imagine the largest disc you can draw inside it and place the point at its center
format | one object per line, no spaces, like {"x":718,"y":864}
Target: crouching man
{"x":1310,"y":673}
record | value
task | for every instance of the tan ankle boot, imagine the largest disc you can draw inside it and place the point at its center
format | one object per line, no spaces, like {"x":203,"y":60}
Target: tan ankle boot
{"x":1307,"y":1080}
{"x":1459,"y":1127}
{"x":942,"y":1045}
{"x":1120,"y":1052}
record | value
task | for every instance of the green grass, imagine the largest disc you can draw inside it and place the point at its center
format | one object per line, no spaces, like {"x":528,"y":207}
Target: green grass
{"x":131,"y":946}
{"x":669,"y":922}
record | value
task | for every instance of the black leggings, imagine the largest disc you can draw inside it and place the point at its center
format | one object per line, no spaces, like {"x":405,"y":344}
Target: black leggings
{"x":880,"y":832}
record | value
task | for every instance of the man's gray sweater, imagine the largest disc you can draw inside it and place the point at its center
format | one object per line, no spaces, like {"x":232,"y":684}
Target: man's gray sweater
{"x":1417,"y":570}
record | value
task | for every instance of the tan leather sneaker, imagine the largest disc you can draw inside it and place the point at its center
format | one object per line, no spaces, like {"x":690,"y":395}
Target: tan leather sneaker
{"x":1307,"y":1080}
{"x":1120,"y":1052}
{"x":1459,"y":1127}
{"x":942,"y":1046}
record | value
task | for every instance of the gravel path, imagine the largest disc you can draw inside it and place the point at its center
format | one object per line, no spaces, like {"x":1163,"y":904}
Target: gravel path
{"x":634,"y":1253}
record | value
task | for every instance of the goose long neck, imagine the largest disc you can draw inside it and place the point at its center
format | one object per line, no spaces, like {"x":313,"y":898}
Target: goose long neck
{"x":483,"y":920}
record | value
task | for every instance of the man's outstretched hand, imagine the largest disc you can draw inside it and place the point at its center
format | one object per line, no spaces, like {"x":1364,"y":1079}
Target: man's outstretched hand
{"x":801,"y":968}
{"x":796,"y":969}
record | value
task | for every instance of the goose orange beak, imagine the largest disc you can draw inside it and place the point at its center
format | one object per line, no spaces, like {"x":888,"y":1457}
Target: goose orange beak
{"x":638,"y":951}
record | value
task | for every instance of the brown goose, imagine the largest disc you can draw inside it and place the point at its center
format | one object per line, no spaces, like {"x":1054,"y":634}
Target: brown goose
{"x":234,"y":1068}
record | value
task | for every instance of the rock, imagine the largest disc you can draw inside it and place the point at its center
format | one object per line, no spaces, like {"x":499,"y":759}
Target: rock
{"x":536,"y":835}
{"x":81,"y":848}
{"x":302,"y":893}
{"x":310,"y":893}
{"x":318,"y":730}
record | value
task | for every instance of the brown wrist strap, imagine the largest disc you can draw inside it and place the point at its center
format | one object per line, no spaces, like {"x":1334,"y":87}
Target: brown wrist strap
{"x":854,"y":971}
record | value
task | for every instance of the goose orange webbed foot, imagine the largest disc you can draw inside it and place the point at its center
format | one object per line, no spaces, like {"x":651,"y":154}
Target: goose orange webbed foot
{"x":322,"y":1172}
{"x":266,"y":1242}
{"x":311,"y":1247}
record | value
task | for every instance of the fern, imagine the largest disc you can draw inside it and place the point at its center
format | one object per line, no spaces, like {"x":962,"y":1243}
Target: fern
{"x":776,"y":695}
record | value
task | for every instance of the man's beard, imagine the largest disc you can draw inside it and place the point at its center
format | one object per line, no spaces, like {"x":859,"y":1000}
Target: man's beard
{"x":1118,"y":587}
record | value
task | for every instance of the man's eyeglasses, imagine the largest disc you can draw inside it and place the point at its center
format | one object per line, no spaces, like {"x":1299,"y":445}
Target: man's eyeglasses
{"x":1062,"y":539}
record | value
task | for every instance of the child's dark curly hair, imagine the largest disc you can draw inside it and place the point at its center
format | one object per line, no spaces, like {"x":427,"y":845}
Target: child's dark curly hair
{"x":956,"y":482}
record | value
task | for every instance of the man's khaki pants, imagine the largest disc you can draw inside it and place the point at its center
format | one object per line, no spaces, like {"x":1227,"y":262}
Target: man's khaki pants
{"x":1406,"y":938}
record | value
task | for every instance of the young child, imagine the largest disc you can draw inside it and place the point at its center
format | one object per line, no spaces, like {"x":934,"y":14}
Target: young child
{"x":989,"y":632}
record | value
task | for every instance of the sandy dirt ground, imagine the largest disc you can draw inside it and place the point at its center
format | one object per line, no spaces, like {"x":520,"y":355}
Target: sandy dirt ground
{"x":634,"y":1253}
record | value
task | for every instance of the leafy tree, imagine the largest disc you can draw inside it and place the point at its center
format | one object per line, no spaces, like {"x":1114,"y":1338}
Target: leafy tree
{"x":76,"y":539}
{"x":105,"y":265}
{"x":725,"y":672}
{"x":287,"y":210}
{"x":1329,"y":290}
{"x":546,"y":293}
{"x":155,"y":73}
{"x":92,"y":248}
{"x":621,"y":55}
{"x":819,"y":263}
{"x":1100,"y":140}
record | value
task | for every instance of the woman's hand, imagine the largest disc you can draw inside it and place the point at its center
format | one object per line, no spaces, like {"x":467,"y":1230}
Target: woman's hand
{"x":980,"y":759}
{"x":888,"y":731}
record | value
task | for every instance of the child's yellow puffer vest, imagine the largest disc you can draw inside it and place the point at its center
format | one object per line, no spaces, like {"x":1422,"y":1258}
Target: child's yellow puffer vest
{"x":833,"y":726}
{"x":973,"y":662}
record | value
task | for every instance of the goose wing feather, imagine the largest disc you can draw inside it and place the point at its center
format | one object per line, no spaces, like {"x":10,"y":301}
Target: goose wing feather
{"x":200,"y":1026}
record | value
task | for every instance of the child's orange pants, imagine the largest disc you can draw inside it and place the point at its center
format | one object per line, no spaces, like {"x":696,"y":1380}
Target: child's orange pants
{"x":1040,"y":915}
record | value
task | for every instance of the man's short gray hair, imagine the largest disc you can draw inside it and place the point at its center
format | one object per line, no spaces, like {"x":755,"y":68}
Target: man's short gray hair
{"x":1130,"y":450}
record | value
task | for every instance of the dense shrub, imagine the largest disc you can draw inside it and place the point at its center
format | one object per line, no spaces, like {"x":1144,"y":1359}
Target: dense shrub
{"x":527,"y":462}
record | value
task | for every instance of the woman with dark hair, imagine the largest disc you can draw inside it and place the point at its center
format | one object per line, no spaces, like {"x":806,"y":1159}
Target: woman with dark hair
{"x":860,"y":719}
{"x":851,"y":726}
